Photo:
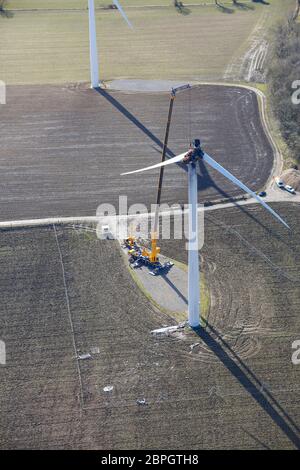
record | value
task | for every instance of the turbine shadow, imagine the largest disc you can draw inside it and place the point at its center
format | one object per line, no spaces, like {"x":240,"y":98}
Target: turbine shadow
{"x":120,"y":107}
{"x":249,"y":381}
{"x":224,"y":9}
{"x":170,"y":283}
{"x":204,"y":181}
{"x":207,"y":181}
{"x":243,"y":6}
{"x":264,"y":446}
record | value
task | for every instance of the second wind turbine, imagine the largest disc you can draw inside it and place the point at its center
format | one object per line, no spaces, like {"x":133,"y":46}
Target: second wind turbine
{"x":94,"y":64}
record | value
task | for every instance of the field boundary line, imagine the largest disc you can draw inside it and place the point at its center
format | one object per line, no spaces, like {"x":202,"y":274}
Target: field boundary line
{"x":262,"y":100}
{"x":70,"y":317}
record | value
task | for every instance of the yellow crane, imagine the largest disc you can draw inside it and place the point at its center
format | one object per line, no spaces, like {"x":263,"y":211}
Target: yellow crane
{"x":155,"y":250}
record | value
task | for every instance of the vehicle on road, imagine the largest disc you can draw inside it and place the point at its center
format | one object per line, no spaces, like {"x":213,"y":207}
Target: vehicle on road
{"x":262,"y":194}
{"x":290,"y":189}
{"x":279,"y":183}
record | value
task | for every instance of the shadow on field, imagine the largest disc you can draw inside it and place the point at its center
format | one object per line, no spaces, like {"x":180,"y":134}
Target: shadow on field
{"x":243,"y":6}
{"x":263,"y":2}
{"x":204,"y":179}
{"x":224,"y":9}
{"x":120,"y":107}
{"x":264,"y":446}
{"x":6,"y":14}
{"x":175,"y":289}
{"x":249,"y":381}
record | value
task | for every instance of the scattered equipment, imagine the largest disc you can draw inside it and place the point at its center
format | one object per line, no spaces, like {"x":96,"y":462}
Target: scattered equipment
{"x":139,"y":256}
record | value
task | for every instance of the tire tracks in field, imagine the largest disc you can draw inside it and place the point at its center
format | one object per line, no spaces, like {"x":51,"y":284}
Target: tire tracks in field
{"x":81,"y":397}
{"x":277,"y":269}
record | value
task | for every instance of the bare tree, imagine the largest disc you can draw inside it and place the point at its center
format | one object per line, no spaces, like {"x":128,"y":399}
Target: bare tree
{"x":284,"y":68}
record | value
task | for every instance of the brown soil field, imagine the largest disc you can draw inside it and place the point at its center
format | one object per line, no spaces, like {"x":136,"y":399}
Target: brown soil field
{"x":63,"y":292}
{"x":63,"y":147}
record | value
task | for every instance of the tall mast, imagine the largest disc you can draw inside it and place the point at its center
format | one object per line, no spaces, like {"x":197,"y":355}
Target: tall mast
{"x":94,"y":66}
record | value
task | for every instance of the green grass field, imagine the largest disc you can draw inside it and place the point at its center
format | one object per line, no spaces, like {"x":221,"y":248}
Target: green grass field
{"x":52,"y":47}
{"x":98,"y":3}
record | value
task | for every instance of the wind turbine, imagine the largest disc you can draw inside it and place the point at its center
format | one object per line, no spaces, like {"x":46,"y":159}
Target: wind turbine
{"x":93,"y":40}
{"x":193,"y":259}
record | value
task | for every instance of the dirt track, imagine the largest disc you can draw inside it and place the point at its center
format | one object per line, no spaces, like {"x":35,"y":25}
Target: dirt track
{"x":63,"y":148}
{"x":237,"y":391}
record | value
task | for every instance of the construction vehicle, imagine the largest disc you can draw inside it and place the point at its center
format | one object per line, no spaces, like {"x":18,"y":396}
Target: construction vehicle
{"x":155,"y":250}
{"x":139,"y":255}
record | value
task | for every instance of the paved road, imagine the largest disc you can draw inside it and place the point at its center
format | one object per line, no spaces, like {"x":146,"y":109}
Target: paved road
{"x":168,"y":290}
{"x":63,"y":148}
{"x":145,"y":86}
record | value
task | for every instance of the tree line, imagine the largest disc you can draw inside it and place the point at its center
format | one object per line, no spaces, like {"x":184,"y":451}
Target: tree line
{"x":284,"y":71}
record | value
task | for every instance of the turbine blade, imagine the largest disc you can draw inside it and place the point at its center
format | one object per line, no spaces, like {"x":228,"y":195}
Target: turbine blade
{"x":241,"y":185}
{"x":158,"y":165}
{"x":122,"y":13}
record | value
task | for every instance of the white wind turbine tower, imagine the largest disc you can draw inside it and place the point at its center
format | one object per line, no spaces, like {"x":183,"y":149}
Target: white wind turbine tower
{"x":93,"y":41}
{"x":193,"y":258}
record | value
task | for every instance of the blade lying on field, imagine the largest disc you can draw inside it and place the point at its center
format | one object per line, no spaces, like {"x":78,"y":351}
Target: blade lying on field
{"x":122,"y":13}
{"x":158,"y":165}
{"x":241,"y":185}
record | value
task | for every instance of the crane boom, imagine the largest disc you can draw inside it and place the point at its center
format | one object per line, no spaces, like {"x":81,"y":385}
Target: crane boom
{"x":153,"y":255}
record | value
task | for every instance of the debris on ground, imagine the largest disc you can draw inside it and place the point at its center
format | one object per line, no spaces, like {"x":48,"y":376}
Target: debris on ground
{"x":142,"y":402}
{"x":108,"y":388}
{"x":193,"y":346}
{"x":168,"y":330}
{"x":95,"y":350}
{"x":83,"y":357}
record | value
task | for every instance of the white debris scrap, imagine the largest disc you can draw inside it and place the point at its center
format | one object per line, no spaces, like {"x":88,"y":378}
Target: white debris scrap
{"x":142,"y":402}
{"x":167,"y":330}
{"x":193,"y":346}
{"x":95,"y":350}
{"x":82,"y":357}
